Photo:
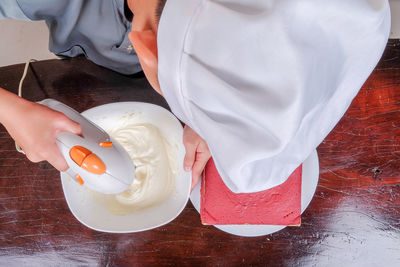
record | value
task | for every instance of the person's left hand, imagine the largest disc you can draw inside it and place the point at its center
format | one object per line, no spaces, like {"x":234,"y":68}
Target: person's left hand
{"x":197,"y":154}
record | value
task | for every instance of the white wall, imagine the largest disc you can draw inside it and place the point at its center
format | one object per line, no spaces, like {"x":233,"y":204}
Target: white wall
{"x":395,"y":10}
{"x":21,"y":41}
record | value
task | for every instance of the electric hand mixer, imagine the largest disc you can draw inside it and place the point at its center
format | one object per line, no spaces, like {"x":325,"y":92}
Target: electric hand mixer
{"x":95,"y":159}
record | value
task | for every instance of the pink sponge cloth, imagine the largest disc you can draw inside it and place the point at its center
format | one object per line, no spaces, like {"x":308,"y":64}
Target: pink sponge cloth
{"x":280,"y":205}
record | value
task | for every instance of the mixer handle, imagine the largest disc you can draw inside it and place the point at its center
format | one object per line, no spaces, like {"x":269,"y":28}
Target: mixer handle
{"x":89,"y":129}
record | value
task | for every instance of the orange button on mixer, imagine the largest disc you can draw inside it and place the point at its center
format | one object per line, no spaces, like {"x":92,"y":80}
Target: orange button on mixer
{"x":93,"y":164}
{"x":106,"y":144}
{"x":79,"y":153}
{"x":79,"y":179}
{"x":87,"y":160}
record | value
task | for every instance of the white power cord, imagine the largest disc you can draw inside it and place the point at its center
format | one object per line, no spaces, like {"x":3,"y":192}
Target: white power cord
{"x":24,"y":75}
{"x":17,"y":147}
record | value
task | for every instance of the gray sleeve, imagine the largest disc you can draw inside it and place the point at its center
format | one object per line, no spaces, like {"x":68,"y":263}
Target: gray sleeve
{"x":10,"y":9}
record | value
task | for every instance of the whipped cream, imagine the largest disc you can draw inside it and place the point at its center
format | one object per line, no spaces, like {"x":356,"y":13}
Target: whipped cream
{"x":156,"y":166}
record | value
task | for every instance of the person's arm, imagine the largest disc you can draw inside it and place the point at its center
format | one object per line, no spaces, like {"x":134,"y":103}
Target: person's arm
{"x":34,"y":127}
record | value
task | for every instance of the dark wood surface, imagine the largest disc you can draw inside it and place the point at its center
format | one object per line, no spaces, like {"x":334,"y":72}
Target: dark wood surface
{"x":353,"y":219}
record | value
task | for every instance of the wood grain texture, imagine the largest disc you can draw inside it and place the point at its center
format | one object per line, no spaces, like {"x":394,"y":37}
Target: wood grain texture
{"x":353,"y":219}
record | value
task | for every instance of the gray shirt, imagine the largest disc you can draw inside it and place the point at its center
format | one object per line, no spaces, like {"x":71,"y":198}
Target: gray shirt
{"x":97,"y":29}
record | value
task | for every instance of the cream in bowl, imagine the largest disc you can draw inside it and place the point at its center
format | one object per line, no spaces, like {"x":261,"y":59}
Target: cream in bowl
{"x":155,"y":168}
{"x":152,"y":136}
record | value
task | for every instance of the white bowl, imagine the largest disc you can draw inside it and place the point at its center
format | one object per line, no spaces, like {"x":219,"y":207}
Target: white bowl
{"x":95,"y":215}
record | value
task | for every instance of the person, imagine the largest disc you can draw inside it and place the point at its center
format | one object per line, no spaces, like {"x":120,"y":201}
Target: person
{"x":261,"y":82}
{"x":100,"y":31}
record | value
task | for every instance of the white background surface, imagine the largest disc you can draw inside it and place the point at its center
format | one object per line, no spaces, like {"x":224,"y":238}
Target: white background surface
{"x":21,"y":40}
{"x":395,"y":9}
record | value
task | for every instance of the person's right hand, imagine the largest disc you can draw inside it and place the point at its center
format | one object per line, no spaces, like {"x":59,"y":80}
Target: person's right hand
{"x":34,"y":128}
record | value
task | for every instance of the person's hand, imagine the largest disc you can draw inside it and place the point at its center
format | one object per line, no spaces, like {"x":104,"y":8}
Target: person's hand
{"x":197,"y":154}
{"x":34,"y":128}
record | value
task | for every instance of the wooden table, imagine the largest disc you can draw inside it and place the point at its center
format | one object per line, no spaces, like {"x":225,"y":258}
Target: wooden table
{"x":353,"y":220}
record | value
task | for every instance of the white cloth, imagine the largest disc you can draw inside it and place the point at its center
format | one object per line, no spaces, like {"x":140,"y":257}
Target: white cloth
{"x":264,"y":81}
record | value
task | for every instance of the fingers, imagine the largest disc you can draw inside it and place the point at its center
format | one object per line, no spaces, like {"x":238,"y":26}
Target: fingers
{"x":52,"y":155}
{"x":190,"y":156}
{"x":55,"y":158}
{"x":197,"y":170}
{"x":191,"y":141}
{"x":202,"y":157}
{"x":69,"y":125}
{"x":197,"y":154}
